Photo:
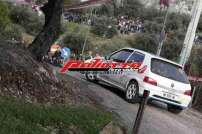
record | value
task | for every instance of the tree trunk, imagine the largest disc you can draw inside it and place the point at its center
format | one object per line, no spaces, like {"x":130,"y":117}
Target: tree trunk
{"x":51,"y":29}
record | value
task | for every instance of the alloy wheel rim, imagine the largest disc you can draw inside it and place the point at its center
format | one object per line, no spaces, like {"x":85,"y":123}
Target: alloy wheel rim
{"x":131,"y":92}
{"x":91,"y":76}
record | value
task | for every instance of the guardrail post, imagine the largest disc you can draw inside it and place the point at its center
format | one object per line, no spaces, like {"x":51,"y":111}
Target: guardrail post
{"x":140,"y":112}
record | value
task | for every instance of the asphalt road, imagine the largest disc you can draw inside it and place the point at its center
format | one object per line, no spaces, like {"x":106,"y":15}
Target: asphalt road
{"x":156,"y":120}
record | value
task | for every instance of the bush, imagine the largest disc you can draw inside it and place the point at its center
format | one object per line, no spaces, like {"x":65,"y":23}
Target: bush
{"x":196,"y":61}
{"x":8,"y":31}
{"x":200,"y":25}
{"x":109,"y":46}
{"x":4,"y":18}
{"x":104,"y":27}
{"x":153,"y":27}
{"x":145,"y":42}
{"x":105,"y":10}
{"x":25,"y":17}
{"x":176,"y":22}
{"x":75,"y":42}
{"x":132,"y":8}
{"x":172,"y":48}
{"x":13,"y":32}
{"x":151,"y":13}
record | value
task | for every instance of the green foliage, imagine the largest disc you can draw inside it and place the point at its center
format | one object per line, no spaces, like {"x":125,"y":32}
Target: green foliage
{"x":153,"y":27}
{"x":196,"y":61}
{"x":72,"y":27}
{"x":177,"y":22}
{"x":145,"y":42}
{"x":4,"y":19}
{"x":13,"y":32}
{"x":104,"y":27}
{"x":172,"y":48}
{"x":70,"y":2}
{"x":75,"y":42}
{"x":199,"y":30}
{"x":108,"y":46}
{"x":75,"y":36}
{"x":19,"y":117}
{"x":152,"y":14}
{"x":25,"y":17}
{"x":132,"y":8}
{"x":8,"y":31}
{"x":105,"y":10}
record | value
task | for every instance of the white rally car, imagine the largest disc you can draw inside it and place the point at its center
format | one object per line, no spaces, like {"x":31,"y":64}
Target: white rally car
{"x":165,"y":79}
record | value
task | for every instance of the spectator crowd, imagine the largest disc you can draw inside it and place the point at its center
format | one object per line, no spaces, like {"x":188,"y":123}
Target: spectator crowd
{"x":77,"y":18}
{"x":126,"y":26}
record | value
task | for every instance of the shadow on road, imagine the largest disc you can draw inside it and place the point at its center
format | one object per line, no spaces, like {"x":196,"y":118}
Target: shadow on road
{"x":120,"y":93}
{"x":112,"y":89}
{"x":156,"y":104}
{"x":152,"y":103}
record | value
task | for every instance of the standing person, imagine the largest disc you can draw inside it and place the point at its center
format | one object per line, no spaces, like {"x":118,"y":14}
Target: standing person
{"x":121,"y":27}
{"x":57,"y":57}
{"x":133,"y":27}
{"x":97,"y":56}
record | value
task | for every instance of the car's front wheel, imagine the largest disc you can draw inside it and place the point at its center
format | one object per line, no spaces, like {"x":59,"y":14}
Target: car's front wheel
{"x":90,"y":76}
{"x":174,"y":109}
{"x":132,"y":92}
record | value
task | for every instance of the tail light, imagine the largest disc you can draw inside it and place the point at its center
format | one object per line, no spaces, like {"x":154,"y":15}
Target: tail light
{"x":150,"y":81}
{"x":142,"y":70}
{"x":188,"y":93}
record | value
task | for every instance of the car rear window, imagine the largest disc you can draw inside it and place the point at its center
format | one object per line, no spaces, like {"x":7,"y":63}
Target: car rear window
{"x":168,"y":70}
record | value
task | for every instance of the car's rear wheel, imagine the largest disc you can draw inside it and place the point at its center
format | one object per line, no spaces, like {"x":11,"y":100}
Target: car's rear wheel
{"x":174,"y":109}
{"x":132,"y":92}
{"x":90,"y":76}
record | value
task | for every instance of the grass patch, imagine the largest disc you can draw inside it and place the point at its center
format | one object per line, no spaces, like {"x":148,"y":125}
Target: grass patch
{"x":20,"y":117}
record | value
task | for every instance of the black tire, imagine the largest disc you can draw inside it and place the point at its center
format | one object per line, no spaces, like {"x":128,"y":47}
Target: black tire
{"x":174,"y":109}
{"x":130,"y":95}
{"x":89,"y":76}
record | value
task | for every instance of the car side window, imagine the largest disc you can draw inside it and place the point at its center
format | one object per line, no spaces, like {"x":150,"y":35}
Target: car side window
{"x":121,"y":56}
{"x":136,"y":57}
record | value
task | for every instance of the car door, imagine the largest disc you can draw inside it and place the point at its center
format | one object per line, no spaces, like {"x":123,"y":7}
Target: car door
{"x":121,"y":80}
{"x":117,"y":57}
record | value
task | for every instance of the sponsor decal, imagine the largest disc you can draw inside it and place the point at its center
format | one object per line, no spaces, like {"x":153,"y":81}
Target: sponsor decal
{"x":98,"y":65}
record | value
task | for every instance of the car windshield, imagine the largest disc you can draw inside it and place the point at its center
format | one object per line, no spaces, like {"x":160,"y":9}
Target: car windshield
{"x":168,"y":70}
{"x":136,"y":57}
{"x":121,"y":56}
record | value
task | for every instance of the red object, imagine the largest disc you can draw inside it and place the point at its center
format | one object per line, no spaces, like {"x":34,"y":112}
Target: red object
{"x":165,"y":3}
{"x":188,"y":93}
{"x":142,"y":70}
{"x":150,"y":81}
{"x":54,"y":48}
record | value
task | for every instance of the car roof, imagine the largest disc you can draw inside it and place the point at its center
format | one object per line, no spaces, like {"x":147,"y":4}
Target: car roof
{"x":154,"y":56}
